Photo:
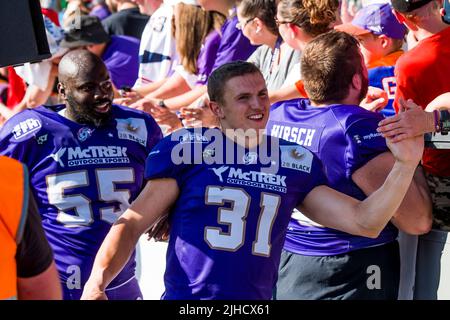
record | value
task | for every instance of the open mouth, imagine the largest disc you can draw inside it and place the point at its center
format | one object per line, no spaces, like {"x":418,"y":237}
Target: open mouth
{"x":256,"y":117}
{"x":103,"y":107}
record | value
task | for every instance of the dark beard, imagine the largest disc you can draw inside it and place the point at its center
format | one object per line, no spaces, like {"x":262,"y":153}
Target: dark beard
{"x":87,"y":114}
{"x":364,"y":88}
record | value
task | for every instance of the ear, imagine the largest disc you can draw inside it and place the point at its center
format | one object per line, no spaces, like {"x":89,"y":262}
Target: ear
{"x":259,"y":25}
{"x":216,"y":109}
{"x":61,"y":90}
{"x":385,"y":41}
{"x":357,"y":81}
{"x":292,"y":30}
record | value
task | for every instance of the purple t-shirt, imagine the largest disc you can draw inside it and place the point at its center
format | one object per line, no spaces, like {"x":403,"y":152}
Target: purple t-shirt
{"x":344,"y":138}
{"x":207,"y":57}
{"x":121,"y":58}
{"x":101,"y":12}
{"x":233,"y":45}
{"x":82,"y":178}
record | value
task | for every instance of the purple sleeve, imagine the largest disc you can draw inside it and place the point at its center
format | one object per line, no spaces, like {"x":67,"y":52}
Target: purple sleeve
{"x":155,"y":133}
{"x":363,"y":143}
{"x":233,"y":45}
{"x":207,"y":57}
{"x":17,"y":136}
{"x":315,"y":178}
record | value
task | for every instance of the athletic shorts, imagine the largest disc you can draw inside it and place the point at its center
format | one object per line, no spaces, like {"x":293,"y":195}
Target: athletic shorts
{"x":128,"y":290}
{"x":365,"y":274}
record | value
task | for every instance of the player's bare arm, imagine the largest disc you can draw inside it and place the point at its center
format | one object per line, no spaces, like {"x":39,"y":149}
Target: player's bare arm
{"x":154,"y":201}
{"x":367,"y":218}
{"x":414,"y":214}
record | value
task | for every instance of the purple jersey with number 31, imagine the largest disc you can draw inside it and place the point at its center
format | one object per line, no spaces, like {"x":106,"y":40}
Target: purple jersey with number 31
{"x":229,"y":221}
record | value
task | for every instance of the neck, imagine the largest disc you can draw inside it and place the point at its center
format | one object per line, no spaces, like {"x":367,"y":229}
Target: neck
{"x":271,"y":40}
{"x":125,"y":5}
{"x":349,"y":100}
{"x":248,"y":139}
{"x":428,"y":31}
{"x":68,"y":113}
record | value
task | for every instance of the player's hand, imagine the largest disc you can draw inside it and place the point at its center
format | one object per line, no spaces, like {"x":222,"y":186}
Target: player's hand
{"x":407,"y":151}
{"x":92,"y":292}
{"x":410,"y":122}
{"x":160,"y":230}
{"x":375,"y":100}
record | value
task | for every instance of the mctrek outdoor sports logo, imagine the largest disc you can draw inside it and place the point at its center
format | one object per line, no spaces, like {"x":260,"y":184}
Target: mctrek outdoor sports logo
{"x":92,"y":155}
{"x":255,"y":179}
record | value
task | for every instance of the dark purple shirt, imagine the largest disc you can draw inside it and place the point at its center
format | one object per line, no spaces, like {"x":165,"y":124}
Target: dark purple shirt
{"x":101,"y":12}
{"x":207,"y":57}
{"x":233,"y":45}
{"x":121,"y":58}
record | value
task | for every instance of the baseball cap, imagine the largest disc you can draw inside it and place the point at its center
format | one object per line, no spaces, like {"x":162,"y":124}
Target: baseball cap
{"x":89,"y":31}
{"x":377,"y":19}
{"x":408,"y":5}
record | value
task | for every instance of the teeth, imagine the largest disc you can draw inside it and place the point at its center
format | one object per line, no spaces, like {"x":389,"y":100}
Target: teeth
{"x":256,"y":117}
{"x":103,"y":107}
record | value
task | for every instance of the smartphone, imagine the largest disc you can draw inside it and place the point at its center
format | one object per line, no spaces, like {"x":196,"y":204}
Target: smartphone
{"x":446,"y":17}
{"x":124,"y":89}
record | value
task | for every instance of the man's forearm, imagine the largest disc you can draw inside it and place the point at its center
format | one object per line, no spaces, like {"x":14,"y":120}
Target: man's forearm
{"x":113,"y":254}
{"x":375,"y":211}
{"x":186,"y":99}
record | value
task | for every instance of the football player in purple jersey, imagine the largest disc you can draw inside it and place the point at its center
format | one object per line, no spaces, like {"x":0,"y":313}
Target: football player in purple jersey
{"x":86,"y":159}
{"x":324,"y":263}
{"x":228,"y":218}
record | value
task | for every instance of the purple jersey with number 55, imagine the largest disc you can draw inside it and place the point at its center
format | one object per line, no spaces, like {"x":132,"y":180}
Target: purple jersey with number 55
{"x":83,"y":178}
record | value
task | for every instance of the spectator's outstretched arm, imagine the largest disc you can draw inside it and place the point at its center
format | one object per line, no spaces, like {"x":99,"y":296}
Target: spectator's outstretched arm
{"x":174,"y":86}
{"x":375,"y":100}
{"x":34,"y":96}
{"x":153,"y":202}
{"x":414,"y":216}
{"x":412,"y":120}
{"x":367,"y":218}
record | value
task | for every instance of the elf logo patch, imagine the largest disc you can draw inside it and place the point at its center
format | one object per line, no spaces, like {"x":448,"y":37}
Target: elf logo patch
{"x":26,"y":127}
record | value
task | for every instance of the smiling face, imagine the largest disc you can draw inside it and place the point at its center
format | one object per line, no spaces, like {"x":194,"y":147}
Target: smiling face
{"x":86,"y":89}
{"x":245,"y":103}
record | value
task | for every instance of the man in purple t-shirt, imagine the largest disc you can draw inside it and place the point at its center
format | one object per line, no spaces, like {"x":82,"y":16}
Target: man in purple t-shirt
{"x":324,"y":263}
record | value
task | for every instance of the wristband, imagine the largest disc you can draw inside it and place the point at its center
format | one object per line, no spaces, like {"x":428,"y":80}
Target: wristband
{"x":444,"y":122}
{"x":437,"y":127}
